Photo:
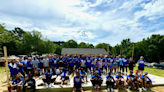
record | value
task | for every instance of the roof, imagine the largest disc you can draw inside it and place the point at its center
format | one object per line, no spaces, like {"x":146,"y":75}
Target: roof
{"x":83,"y":51}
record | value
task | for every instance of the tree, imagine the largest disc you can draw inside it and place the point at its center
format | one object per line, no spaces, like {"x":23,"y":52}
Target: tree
{"x":103,"y":45}
{"x":82,"y":45}
{"x":70,"y":44}
{"x":90,"y":45}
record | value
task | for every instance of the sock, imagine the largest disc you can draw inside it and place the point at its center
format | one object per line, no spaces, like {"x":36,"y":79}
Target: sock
{"x":128,"y":86}
{"x":108,"y":89}
{"x":95,"y":86}
{"x":46,"y":84}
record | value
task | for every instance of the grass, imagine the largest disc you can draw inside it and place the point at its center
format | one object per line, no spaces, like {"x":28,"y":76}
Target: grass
{"x":154,"y":71}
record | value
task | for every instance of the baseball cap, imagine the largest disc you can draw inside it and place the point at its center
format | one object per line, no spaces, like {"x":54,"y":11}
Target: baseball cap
{"x":146,"y":72}
{"x":141,"y":57}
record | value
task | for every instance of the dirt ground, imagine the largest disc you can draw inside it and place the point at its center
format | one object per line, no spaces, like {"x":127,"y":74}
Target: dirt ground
{"x":3,"y":85}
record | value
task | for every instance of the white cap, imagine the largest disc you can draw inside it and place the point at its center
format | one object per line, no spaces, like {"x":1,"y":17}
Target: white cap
{"x":141,"y":57}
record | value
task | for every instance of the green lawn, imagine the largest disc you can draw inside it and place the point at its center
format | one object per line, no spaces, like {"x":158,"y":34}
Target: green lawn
{"x":158,"y":72}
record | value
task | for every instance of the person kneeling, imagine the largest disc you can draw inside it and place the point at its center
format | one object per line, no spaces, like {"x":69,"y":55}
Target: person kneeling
{"x":16,"y":83}
{"x":36,"y":71}
{"x":48,"y":81}
{"x":120,"y":80}
{"x":63,"y":77}
{"x":110,"y":81}
{"x":130,"y":80}
{"x":77,"y":82}
{"x":29,"y":84}
{"x":146,"y":79}
{"x":96,"y":80}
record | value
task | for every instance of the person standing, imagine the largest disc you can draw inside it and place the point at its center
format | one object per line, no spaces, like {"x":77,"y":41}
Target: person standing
{"x":13,"y":69}
{"x":125,"y":64}
{"x":121,"y":63}
{"x":131,"y":64}
{"x":77,"y":82}
{"x":45,"y":64}
{"x":100,"y":64}
{"x":141,"y":64}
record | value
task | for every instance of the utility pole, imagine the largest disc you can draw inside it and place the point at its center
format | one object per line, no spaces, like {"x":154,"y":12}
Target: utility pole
{"x":7,"y":70}
{"x":108,"y":48}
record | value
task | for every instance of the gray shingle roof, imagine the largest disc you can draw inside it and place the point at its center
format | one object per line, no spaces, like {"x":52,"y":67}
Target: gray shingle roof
{"x":83,"y":51}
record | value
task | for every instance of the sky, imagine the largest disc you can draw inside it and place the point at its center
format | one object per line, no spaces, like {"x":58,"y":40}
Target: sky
{"x":90,"y":21}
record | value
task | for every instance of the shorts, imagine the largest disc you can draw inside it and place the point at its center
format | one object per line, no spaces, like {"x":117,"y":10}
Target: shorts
{"x":77,"y":85}
{"x":140,"y":68}
{"x":105,"y":67}
{"x":109,"y":83}
{"x":65,"y":78}
{"x":77,"y":67}
{"x":29,"y":70}
{"x":13,"y":76}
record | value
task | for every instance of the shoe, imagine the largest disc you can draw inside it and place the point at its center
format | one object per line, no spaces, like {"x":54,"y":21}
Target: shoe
{"x":149,"y":88}
{"x":111,"y":89}
{"x":129,"y":88}
{"x":144,"y":89}
{"x":135,"y":88}
{"x":124,"y":89}
{"x":98,"y":89}
{"x":108,"y":89}
{"x":118,"y":90}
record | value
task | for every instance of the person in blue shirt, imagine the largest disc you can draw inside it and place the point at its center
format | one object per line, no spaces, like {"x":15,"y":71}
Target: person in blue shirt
{"x":78,"y":61}
{"x":55,"y":62}
{"x":97,"y":70}
{"x":83,"y":74}
{"x":110,"y":81}
{"x":51,"y":60}
{"x":29,"y":66}
{"x":14,"y":70}
{"x":106,"y":64}
{"x":121,"y":63}
{"x":47,"y":79}
{"x":118,"y":62}
{"x":146,"y":80}
{"x":120,"y":80}
{"x":16,"y":83}
{"x":36,"y":71}
{"x":20,"y":65}
{"x":88,"y":64}
{"x":71,"y":64}
{"x":141,"y":64}
{"x":96,"y":80}
{"x":77,"y":82}
{"x":125,"y":64}
{"x":130,"y":80}
{"x":94,"y":64}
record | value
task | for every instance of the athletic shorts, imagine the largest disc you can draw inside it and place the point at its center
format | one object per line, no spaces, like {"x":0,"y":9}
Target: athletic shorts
{"x":77,"y":85}
{"x":140,"y":68}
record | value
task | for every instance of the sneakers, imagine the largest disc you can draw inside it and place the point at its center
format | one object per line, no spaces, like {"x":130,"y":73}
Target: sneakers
{"x":149,"y":88}
{"x":118,"y":90}
{"x":98,"y":89}
{"x":95,"y":89}
{"x":135,"y":88}
{"x":108,"y":89}
{"x":111,"y":89}
{"x":129,"y":87}
{"x":144,"y":89}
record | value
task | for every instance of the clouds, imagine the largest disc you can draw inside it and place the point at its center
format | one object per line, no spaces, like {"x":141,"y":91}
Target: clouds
{"x":92,"y":21}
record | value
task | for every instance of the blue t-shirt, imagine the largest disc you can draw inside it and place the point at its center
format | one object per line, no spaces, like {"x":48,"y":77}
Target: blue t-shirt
{"x":110,"y":65}
{"x":71,"y":62}
{"x":111,"y":60}
{"x":48,"y":75}
{"x":29,"y":64}
{"x":146,"y":79}
{"x":21,"y":67}
{"x":51,"y":61}
{"x":17,"y":81}
{"x":55,"y":63}
{"x":117,"y":60}
{"x":89,"y":62}
{"x":125,"y":61}
{"x":109,"y":77}
{"x":131,"y":77}
{"x":106,"y":64}
{"x":98,"y":70}
{"x":118,"y":77}
{"x":78,"y":62}
{"x":77,"y":80}
{"x":82,"y":72}
{"x":40,"y":63}
{"x":141,"y":63}
{"x":13,"y":70}
{"x":120,"y":60}
{"x":97,"y":77}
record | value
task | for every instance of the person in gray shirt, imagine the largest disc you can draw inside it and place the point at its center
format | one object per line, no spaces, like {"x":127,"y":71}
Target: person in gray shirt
{"x":45,"y":63}
{"x":35,"y":62}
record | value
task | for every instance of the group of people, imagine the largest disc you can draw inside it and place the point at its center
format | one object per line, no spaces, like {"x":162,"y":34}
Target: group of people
{"x":82,"y":65}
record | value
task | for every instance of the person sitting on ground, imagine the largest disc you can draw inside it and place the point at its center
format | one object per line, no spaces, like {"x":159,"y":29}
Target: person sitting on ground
{"x":110,"y":81}
{"x":29,"y":84}
{"x":14,"y":70}
{"x":63,"y":76}
{"x":83,"y":74}
{"x":36,"y":71}
{"x":120,"y":80}
{"x":96,"y":80}
{"x":138,"y":79}
{"x":48,"y":81}
{"x":130,"y":80}
{"x":16,"y":83}
{"x":146,"y":79}
{"x":77,"y":82}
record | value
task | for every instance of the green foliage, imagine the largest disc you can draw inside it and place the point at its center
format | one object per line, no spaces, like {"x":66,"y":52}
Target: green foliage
{"x":104,"y":45}
{"x":70,"y":44}
{"x":82,"y":45}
